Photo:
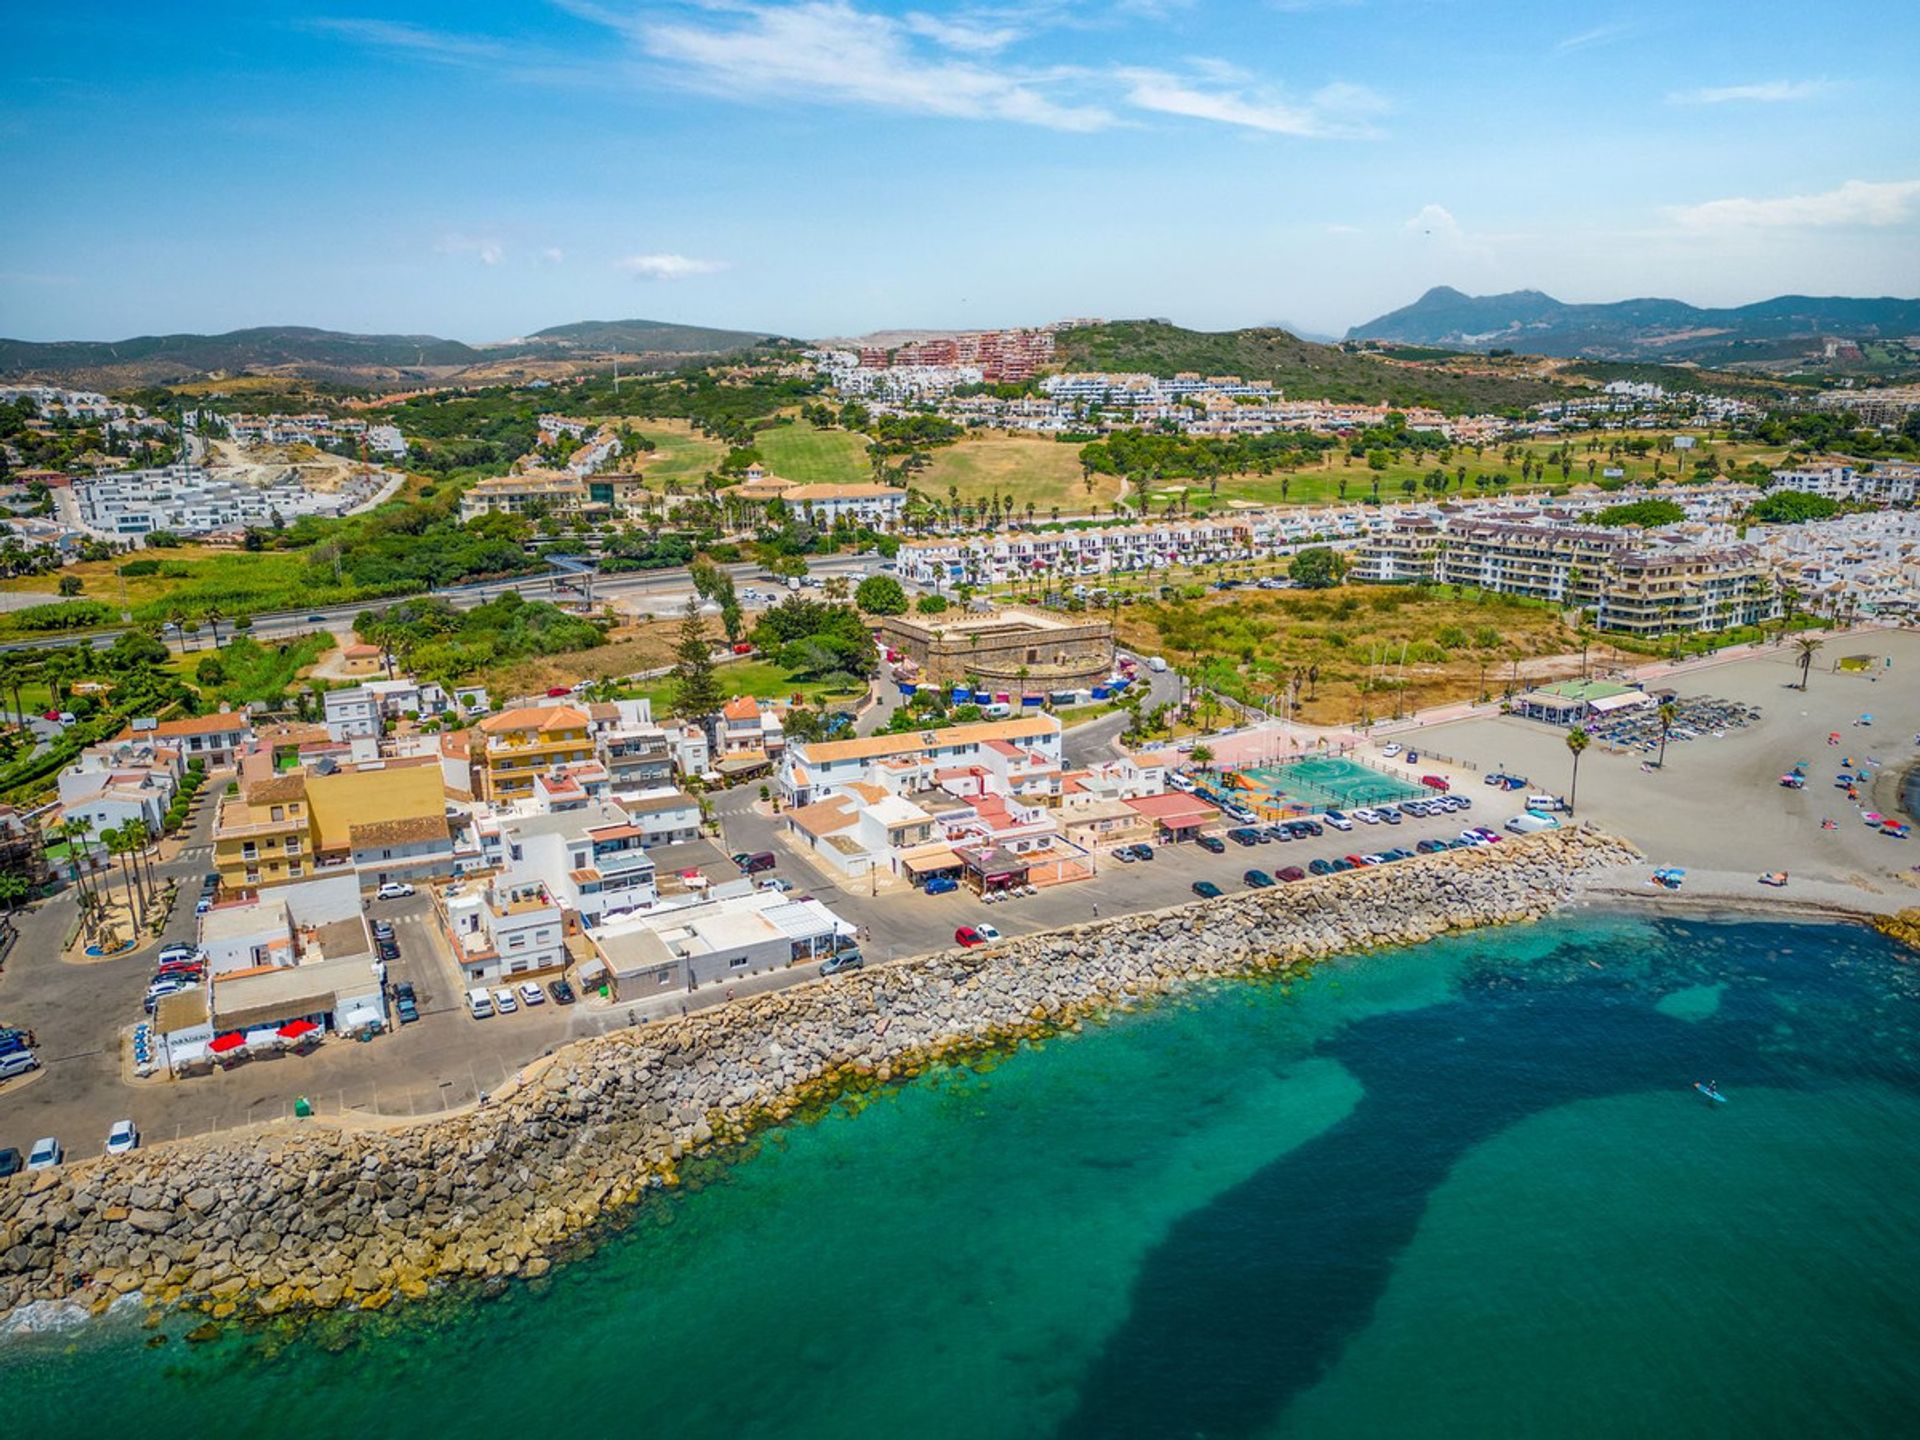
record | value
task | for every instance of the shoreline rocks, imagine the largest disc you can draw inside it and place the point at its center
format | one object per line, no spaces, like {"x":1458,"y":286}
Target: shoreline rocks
{"x":304,"y":1217}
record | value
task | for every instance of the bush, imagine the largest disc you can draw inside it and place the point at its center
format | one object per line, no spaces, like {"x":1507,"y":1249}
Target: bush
{"x":931,"y":604}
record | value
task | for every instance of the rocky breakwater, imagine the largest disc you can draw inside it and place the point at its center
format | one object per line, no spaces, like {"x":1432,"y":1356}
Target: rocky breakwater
{"x":306,"y":1215}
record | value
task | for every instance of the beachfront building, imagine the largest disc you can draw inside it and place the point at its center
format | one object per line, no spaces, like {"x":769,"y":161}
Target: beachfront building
{"x":1011,"y":650}
{"x":906,"y":762}
{"x":713,"y":940}
{"x":502,"y":927}
{"x":591,"y":859}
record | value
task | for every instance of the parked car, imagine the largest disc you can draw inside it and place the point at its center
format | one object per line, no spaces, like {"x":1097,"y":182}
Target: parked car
{"x":1302,"y":828}
{"x":1389,"y":814}
{"x":479,"y":1004}
{"x":1367,"y":816}
{"x":394,"y":890}
{"x":404,"y":990}
{"x":1436,"y":782}
{"x":554,"y":692}
{"x":987,"y":932}
{"x":45,"y":1154}
{"x":561,"y":991}
{"x":203,"y":904}
{"x":406,"y":1009}
{"x":531,"y":993}
{"x":1143,"y":851}
{"x":1337,"y":820}
{"x":1290,"y":874}
{"x":503,"y":1000}
{"x":1360,"y":862}
{"x":1320,"y":867}
{"x":17,"y":1062}
{"x":752,"y":862}
{"x":844,"y":960}
{"x":1391,"y":749}
{"x":1207,"y":890}
{"x":1428,"y":847}
{"x":382,"y":930}
{"x":1243,"y":835}
{"x":122,"y":1138}
{"x":11,"y":1162}
{"x":941,"y":885}
{"x":1212,"y":844}
{"x":1258,"y":879}
{"x":388,"y":950}
{"x":176,"y":953}
{"x":776,"y":883}
{"x":968,"y":937}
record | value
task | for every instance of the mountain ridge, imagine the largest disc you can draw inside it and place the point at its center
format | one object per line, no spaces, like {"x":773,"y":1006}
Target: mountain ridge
{"x":1641,"y":328}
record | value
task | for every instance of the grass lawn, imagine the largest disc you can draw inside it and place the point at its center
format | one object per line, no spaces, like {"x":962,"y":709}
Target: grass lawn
{"x":1321,"y":483}
{"x":759,"y":678}
{"x":1035,"y":471}
{"x":807,"y":456}
{"x":680,"y":453}
{"x":195,"y":577}
{"x":254,"y":671}
{"x":1368,"y":643}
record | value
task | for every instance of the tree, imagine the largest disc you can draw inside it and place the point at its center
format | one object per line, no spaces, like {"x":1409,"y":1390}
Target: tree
{"x":1807,"y":647}
{"x":210,"y":672}
{"x":696,"y":694}
{"x":931,"y":604}
{"x":1203,"y":756}
{"x":881,"y":595}
{"x":1669,"y":712}
{"x":69,"y":585}
{"x":1317,"y":568}
{"x":1577,"y":742}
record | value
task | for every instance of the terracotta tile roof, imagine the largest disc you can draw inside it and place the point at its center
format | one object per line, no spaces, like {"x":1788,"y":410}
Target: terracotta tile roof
{"x":825,"y":817}
{"x":875,"y":747}
{"x":534,"y":717}
{"x":218,"y":724}
{"x":741,"y":707}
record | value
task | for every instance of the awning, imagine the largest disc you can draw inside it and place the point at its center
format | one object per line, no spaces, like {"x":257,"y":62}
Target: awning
{"x":265,"y":1039}
{"x":1627,"y":701}
{"x":741,"y":764}
{"x":928,"y":864}
{"x":186,"y":1052}
{"x":294,"y":1029}
{"x":362,"y":1014}
{"x":228,"y":1043}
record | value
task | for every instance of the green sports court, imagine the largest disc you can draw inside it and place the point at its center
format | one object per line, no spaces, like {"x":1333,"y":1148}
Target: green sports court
{"x":1324,"y":782}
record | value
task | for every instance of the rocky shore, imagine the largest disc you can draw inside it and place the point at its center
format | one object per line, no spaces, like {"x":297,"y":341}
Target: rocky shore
{"x":308,"y":1216}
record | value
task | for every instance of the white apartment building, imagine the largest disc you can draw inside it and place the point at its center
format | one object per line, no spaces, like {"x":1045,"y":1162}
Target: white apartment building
{"x":187,"y":500}
{"x":812,"y":770}
{"x":503,"y":927}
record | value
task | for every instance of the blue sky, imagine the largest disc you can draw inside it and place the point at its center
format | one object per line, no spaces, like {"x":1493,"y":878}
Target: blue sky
{"x":484,"y":169}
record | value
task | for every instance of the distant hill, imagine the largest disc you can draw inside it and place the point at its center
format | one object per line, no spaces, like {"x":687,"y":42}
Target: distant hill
{"x":637,"y":337}
{"x":1528,"y":321}
{"x":300,"y":350}
{"x":267,"y":347}
{"x":1303,"y":369}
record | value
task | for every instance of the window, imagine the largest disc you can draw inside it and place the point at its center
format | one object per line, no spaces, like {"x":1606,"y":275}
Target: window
{"x":293,"y":845}
{"x":279,"y":812}
{"x":515,"y":942}
{"x":739,"y":962}
{"x":294,"y":872}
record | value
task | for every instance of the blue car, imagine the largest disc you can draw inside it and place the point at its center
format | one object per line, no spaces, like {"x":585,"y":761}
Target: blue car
{"x":941,"y":885}
{"x":1258,"y":879}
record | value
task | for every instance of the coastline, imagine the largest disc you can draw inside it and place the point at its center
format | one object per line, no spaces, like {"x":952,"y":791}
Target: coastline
{"x":294,"y":1218}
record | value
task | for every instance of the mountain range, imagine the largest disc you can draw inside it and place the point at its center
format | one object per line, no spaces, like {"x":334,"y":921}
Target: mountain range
{"x":305,"y":352}
{"x":1533,"y":323}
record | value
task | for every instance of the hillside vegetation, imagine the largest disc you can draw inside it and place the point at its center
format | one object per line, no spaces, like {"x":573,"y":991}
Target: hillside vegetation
{"x":1303,"y":369}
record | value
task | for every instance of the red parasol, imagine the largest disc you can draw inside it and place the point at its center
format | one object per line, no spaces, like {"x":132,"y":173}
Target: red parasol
{"x":235,"y":1041}
{"x":294,"y":1029}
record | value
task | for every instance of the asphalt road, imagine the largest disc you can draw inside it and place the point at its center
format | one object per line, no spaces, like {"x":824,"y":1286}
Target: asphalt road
{"x":283,"y":623}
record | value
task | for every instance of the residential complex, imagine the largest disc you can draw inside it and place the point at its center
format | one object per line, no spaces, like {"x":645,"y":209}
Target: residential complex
{"x":187,"y":500}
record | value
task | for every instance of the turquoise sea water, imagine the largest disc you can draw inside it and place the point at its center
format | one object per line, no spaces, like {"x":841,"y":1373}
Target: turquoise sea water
{"x":1462,"y":1190}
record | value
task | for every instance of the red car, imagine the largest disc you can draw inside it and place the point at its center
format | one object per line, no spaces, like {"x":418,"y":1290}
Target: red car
{"x":554,"y":692}
{"x":1436,"y":782}
{"x":742,"y":647}
{"x":1359,"y":862}
{"x":969,"y":937}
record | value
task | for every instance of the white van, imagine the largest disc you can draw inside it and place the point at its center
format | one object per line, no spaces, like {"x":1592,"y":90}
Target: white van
{"x":1546,"y":804}
{"x":479,"y":1004}
{"x":1532,"y":823}
{"x":1157,"y":664}
{"x":17,"y":1062}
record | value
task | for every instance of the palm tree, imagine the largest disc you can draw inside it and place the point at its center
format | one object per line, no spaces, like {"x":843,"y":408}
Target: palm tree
{"x":1669,"y":712}
{"x":1807,"y":647}
{"x":1577,"y":741}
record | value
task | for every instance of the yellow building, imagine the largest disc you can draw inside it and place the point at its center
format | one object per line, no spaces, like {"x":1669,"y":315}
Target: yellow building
{"x":515,"y":746}
{"x":291,"y":826}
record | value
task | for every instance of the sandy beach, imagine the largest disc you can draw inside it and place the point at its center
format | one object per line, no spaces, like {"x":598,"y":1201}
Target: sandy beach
{"x":1717,"y":807}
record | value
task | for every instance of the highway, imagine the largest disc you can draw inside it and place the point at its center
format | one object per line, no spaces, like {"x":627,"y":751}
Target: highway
{"x":657,"y":585}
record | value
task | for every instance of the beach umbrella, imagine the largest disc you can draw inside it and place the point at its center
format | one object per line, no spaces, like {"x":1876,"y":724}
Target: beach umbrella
{"x":294,"y":1029}
{"x":226,"y":1044}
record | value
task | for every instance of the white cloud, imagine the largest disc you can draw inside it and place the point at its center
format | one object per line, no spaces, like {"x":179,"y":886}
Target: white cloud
{"x":1333,"y":112}
{"x":487,"y":251}
{"x":435,"y":45}
{"x":1435,"y":220}
{"x":1604,"y":34}
{"x":1767,"y":92}
{"x":828,"y":50}
{"x":668,"y":267}
{"x":974,"y":35}
{"x":553,"y":255}
{"x":1858,"y":202}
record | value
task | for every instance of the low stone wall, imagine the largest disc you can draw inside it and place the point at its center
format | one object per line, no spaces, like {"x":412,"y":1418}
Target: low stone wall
{"x":306,"y":1215}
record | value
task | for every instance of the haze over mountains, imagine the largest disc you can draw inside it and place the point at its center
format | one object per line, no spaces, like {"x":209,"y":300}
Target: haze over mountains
{"x":1530,"y":322}
{"x":314,"y":353}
